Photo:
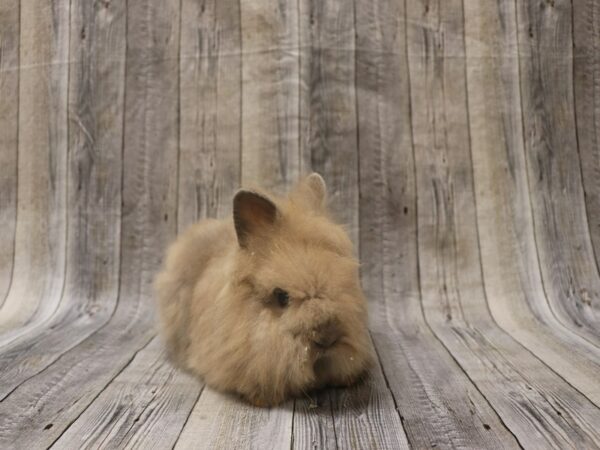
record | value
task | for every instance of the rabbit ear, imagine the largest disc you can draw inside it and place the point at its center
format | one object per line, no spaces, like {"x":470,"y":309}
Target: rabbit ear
{"x":311,"y":191}
{"x":253,"y":214}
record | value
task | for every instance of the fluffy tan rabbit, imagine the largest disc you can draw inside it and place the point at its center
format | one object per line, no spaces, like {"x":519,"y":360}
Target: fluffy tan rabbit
{"x":269,"y":304}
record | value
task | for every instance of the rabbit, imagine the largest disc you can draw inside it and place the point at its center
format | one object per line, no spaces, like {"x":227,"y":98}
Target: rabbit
{"x":267,"y":305}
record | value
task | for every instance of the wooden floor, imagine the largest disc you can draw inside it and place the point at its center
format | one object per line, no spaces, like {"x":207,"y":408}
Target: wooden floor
{"x":461,"y":144}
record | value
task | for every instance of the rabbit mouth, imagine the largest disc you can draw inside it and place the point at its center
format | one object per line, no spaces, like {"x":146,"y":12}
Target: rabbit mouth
{"x":330,"y":370}
{"x":322,"y":366}
{"x":325,"y":357}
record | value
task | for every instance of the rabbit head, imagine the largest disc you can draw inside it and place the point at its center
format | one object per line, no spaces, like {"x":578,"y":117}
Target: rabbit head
{"x":308,"y":315}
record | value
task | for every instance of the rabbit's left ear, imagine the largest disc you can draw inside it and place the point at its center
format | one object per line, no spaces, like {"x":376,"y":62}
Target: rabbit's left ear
{"x":254,"y":215}
{"x":311,"y":191}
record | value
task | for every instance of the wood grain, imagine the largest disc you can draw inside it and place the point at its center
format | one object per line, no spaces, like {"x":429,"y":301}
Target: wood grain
{"x":522,"y":390}
{"x":511,"y":270}
{"x":50,"y":401}
{"x":224,"y":421}
{"x":166,"y":394}
{"x":210,"y":115}
{"x":459,"y":142}
{"x":270,"y":95}
{"x":586,"y":86}
{"x":40,"y":236}
{"x":331,"y":114}
{"x":143,"y":407}
{"x":269,"y":157}
{"x":9,"y":132}
{"x":364,"y":416}
{"x":437,"y":402}
{"x":96,"y":94}
{"x":569,"y":270}
{"x":314,"y":426}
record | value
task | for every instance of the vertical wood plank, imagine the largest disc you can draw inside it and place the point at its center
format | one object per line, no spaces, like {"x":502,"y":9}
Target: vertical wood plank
{"x":437,"y":403}
{"x":314,"y":422}
{"x":569,"y":269}
{"x":50,"y":401}
{"x":510,"y":265}
{"x":270,"y":96}
{"x":447,"y":238}
{"x":522,"y":390}
{"x":9,"y":131}
{"x":96,"y":93}
{"x":211,"y":123}
{"x":96,"y":118}
{"x":335,"y":417}
{"x":41,"y":198}
{"x":586,"y":82}
{"x":269,"y":158}
{"x":333,"y":146}
{"x":208,"y":175}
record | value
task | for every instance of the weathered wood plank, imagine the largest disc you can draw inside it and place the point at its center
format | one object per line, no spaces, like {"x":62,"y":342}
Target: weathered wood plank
{"x":270,"y":158}
{"x":210,"y":95}
{"x":437,"y":402}
{"x":270,"y":95}
{"x":586,"y":85}
{"x":278,"y":79}
{"x":364,"y":415}
{"x":96,"y":87}
{"x":9,"y":132}
{"x":332,"y":139}
{"x":569,"y":270}
{"x":510,"y":266}
{"x":314,"y":422}
{"x":144,"y":407}
{"x":227,"y":422}
{"x":49,"y":402}
{"x":523,"y":391}
{"x":42,"y":162}
{"x":207,"y":171}
{"x":435,"y":398}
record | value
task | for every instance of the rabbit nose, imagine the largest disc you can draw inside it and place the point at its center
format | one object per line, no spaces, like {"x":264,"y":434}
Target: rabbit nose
{"x":326,"y":335}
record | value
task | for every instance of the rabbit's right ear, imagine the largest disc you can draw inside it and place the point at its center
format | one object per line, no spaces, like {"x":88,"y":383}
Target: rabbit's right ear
{"x":253,"y":215}
{"x":311,"y":192}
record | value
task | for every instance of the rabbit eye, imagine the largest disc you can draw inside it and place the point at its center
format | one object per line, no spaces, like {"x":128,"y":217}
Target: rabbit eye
{"x":282,"y":297}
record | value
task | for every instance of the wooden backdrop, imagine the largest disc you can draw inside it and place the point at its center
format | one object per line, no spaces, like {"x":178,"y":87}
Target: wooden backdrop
{"x":461,"y":144}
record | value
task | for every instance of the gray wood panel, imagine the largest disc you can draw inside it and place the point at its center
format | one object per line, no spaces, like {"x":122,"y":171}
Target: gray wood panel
{"x":518,"y":386}
{"x":145,"y":406}
{"x":438,"y":404}
{"x":512,"y":275}
{"x":9,"y":132}
{"x":459,"y":142}
{"x":210,"y":78}
{"x":269,"y":157}
{"x":330,"y":114}
{"x":271,"y":93}
{"x":586,"y":86}
{"x":96,"y":95}
{"x":339,"y":417}
{"x":50,"y":401}
{"x":40,"y":235}
{"x":569,"y":270}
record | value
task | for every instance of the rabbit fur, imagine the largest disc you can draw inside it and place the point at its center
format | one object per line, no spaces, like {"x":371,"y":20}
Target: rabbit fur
{"x":267,"y":305}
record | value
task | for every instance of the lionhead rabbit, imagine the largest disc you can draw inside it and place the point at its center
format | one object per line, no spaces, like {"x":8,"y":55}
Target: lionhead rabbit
{"x":269,"y":304}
